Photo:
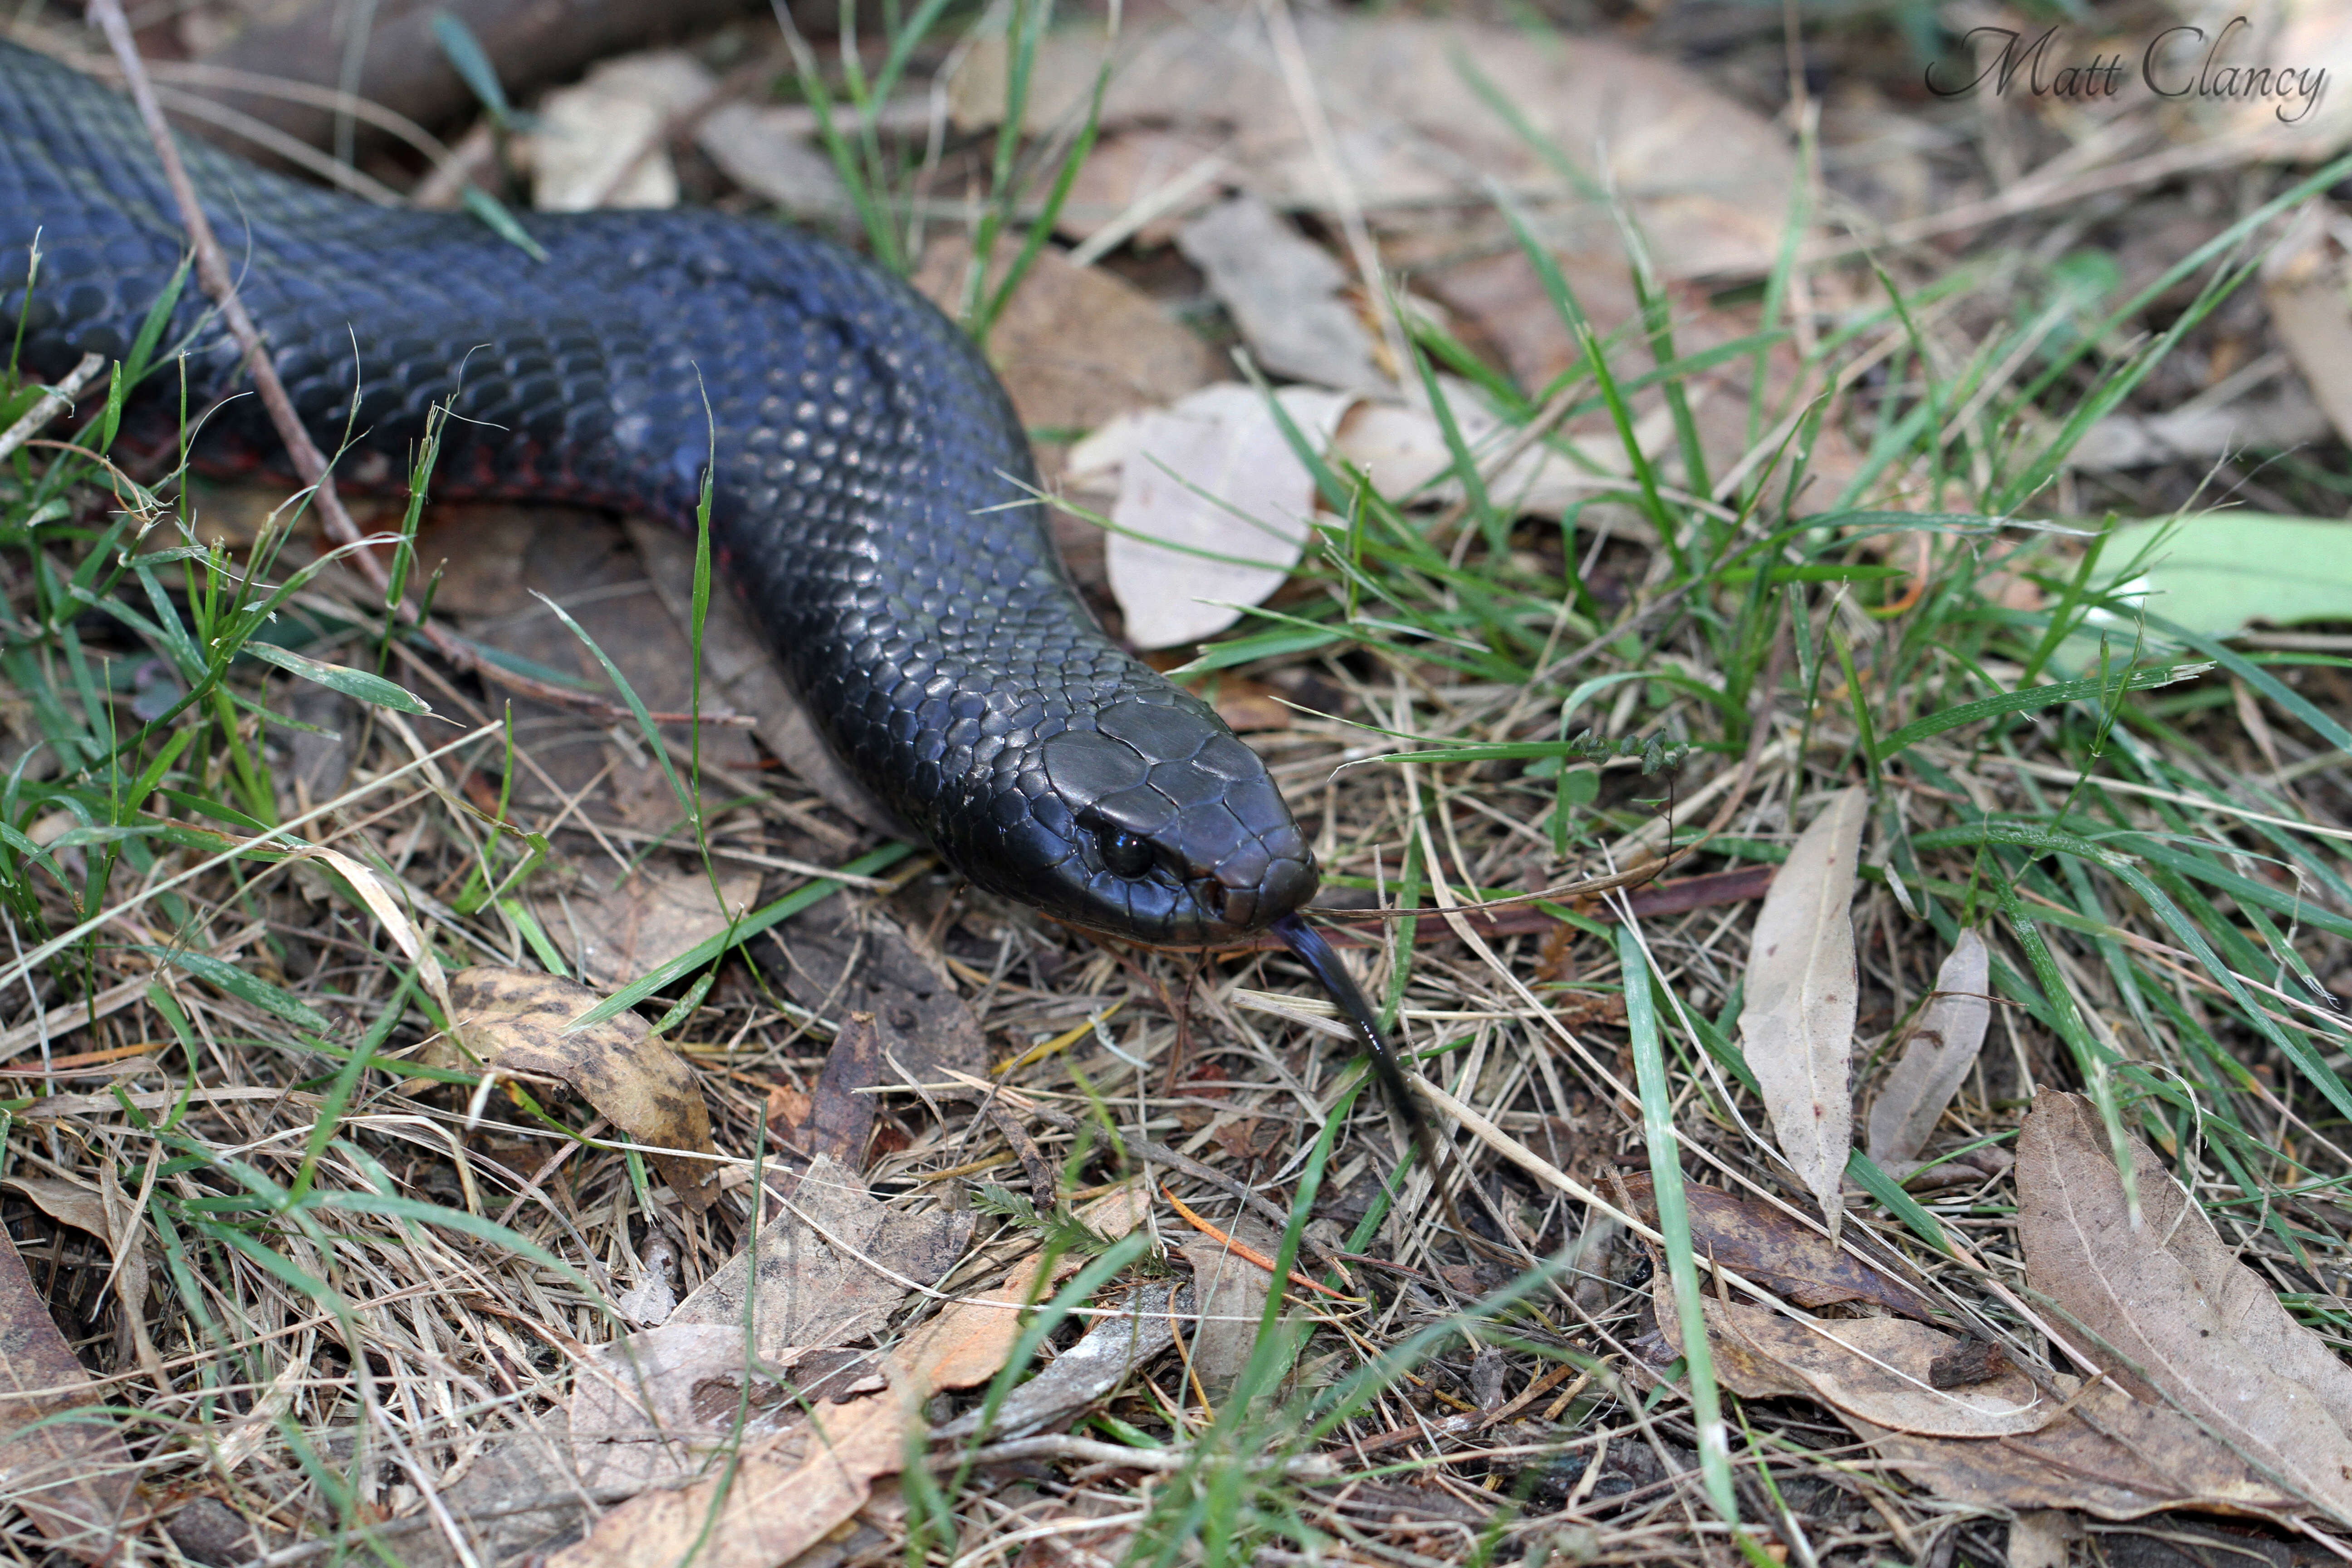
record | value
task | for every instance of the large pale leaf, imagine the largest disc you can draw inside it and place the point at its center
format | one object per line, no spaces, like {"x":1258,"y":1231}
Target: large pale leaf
{"x":1798,"y":1024}
{"x":1943,"y":1047}
{"x":2171,"y":1315}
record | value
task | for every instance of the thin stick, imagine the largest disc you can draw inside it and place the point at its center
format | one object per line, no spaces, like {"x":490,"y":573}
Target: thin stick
{"x":310,"y":463}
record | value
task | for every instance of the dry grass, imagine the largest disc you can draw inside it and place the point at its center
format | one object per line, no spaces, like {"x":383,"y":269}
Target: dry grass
{"x":211,"y":1043}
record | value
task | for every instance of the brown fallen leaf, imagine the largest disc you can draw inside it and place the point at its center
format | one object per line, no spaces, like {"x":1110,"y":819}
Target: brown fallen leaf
{"x":615,"y":934}
{"x":768,"y":151}
{"x":2109,"y":1457}
{"x":110,"y":1215}
{"x":1230,"y":1293}
{"x":514,"y":1020}
{"x":599,"y":143}
{"x":1090,"y":1370}
{"x":817,"y":1280}
{"x":2041,"y":1537}
{"x":1075,"y":345}
{"x":781,"y":1497}
{"x":1285,"y":294}
{"x":1802,"y":994}
{"x":840,"y":1119}
{"x":1758,"y":1242}
{"x":72,"y":1477}
{"x":1875,"y":1369}
{"x":651,"y":1409}
{"x":790,"y":1492}
{"x":1708,"y":180}
{"x":1944,"y":1047}
{"x":1150,"y":180}
{"x":2174,"y":1317}
{"x":840,"y":960}
{"x":744,"y":678}
{"x":1213,"y":507}
{"x":499,"y":557}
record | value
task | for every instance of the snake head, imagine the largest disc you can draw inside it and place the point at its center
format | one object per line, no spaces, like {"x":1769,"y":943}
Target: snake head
{"x":1158,"y":826}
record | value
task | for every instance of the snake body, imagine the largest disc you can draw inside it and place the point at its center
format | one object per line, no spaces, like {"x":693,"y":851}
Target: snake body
{"x":873,"y":493}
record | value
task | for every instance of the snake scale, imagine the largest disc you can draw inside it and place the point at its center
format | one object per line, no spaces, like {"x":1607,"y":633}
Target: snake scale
{"x":874,"y":499}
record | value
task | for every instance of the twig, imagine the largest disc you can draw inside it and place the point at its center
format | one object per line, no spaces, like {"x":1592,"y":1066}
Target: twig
{"x":54,"y":401}
{"x":1059,"y":1445}
{"x":310,"y":463}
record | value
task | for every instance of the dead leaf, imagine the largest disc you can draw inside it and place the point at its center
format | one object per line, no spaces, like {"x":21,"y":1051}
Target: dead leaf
{"x":1151,"y":180}
{"x":499,"y":557}
{"x":966,"y":1343}
{"x":817,"y":1282}
{"x":648,"y":1409}
{"x":73,"y":1478}
{"x":110,"y":1215}
{"x":840,"y":1119}
{"x":2109,"y":1457}
{"x":789,"y":1491}
{"x":767,"y":151}
{"x":782,"y":1496}
{"x":1708,"y":180}
{"x":1758,"y":1242}
{"x":1087,"y":1371}
{"x":1075,"y":345}
{"x":2040,"y":1537}
{"x":1802,"y":994}
{"x":514,"y":1020}
{"x":615,"y":934}
{"x":1944,"y":1047}
{"x":1229,"y":1292}
{"x":1212,"y":508}
{"x":840,"y":960}
{"x":2174,"y":1315}
{"x":1284,"y":292}
{"x":2303,"y":283}
{"x":1876,"y":1369}
{"x":599,"y":143}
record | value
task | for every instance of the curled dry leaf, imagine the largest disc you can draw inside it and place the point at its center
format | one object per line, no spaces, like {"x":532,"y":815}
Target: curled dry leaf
{"x":1232,"y":1292}
{"x":1943,"y":1047}
{"x":513,"y":1020}
{"x":1088,"y":1370}
{"x":2172,"y":1314}
{"x":1758,"y":1242}
{"x":2109,"y":1456}
{"x":1798,"y":1024}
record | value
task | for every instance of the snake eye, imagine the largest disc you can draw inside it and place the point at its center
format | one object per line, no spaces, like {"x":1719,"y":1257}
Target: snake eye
{"x":1126,"y":854}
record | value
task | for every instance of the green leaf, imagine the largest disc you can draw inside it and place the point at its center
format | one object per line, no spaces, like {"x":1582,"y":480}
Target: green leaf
{"x":2224,"y":570}
{"x":229,"y":977}
{"x":2033,"y":698}
{"x":493,"y":213}
{"x":354,"y":683}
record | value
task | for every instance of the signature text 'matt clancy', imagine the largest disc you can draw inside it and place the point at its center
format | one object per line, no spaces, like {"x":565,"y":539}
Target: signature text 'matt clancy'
{"x":2172,"y":66}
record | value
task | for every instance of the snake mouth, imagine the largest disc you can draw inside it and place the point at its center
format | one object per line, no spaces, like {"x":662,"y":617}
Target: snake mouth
{"x":1246,"y":907}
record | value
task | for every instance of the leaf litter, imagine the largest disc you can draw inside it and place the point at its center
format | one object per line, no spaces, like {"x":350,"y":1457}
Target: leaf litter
{"x":1240,"y":1090}
{"x":1801,"y":998}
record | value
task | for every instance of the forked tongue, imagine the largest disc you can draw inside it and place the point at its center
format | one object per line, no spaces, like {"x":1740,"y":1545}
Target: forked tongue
{"x":1310,"y":947}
